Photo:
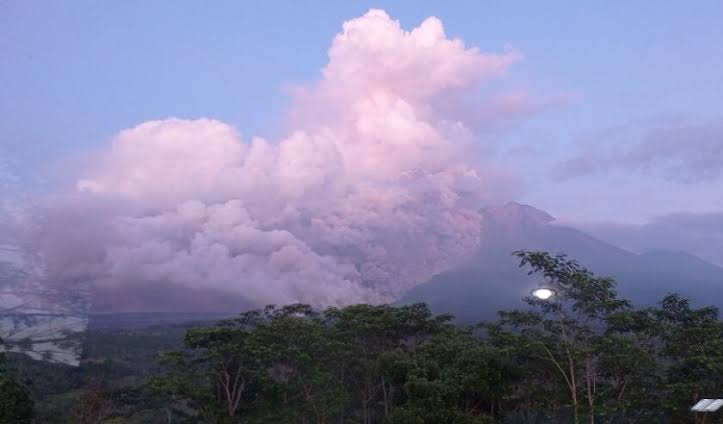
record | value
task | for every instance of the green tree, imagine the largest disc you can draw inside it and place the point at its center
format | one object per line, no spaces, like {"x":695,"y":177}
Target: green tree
{"x":211,"y":378}
{"x":365,"y":335}
{"x":633,"y":365}
{"x":296,"y":365}
{"x":300,"y":379}
{"x":693,"y":349}
{"x":583,"y":355}
{"x":563,"y":338}
{"x":452,"y":377}
{"x":16,"y":404}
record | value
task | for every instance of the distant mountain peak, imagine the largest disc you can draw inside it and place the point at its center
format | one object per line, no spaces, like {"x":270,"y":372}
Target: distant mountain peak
{"x":518,"y":213}
{"x":464,"y":291}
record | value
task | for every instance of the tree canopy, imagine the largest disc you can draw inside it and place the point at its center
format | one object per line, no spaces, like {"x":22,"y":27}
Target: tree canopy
{"x":584,"y":355}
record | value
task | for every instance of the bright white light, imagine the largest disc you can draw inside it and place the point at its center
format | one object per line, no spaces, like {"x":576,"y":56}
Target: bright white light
{"x":715,"y":405}
{"x":707,"y":405}
{"x":543,"y":293}
{"x":701,"y":405}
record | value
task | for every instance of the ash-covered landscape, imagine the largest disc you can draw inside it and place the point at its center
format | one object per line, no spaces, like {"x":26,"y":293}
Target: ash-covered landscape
{"x":360,"y":213}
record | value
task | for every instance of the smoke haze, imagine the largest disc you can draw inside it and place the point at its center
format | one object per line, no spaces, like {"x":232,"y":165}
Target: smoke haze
{"x":376,"y":189}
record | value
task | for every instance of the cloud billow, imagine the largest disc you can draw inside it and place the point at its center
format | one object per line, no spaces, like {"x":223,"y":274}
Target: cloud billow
{"x":691,"y":153}
{"x":376,"y":189}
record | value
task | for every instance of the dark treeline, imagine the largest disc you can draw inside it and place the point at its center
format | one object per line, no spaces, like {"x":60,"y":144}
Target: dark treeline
{"x":584,"y":356}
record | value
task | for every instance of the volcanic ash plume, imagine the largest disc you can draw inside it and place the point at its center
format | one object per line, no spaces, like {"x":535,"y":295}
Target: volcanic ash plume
{"x":377,"y":188}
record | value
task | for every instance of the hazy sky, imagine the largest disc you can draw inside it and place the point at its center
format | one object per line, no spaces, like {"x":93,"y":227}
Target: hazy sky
{"x":75,"y":73}
{"x":337,"y":152}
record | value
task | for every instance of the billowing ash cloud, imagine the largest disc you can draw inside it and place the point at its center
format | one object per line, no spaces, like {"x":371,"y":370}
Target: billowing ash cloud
{"x":376,"y":189}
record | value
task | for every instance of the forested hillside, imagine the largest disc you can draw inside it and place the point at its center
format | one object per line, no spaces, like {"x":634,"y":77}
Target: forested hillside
{"x":584,"y":355}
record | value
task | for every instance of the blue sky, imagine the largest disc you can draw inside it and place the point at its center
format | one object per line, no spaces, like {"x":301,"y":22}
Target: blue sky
{"x":75,"y":73}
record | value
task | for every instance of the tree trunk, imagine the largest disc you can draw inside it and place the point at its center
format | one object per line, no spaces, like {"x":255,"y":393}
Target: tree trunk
{"x":573,"y":388}
{"x":387,"y":397}
{"x":590,"y":383}
{"x":365,"y":404}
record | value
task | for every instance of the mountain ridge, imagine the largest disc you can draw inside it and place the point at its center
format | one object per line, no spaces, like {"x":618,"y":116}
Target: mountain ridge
{"x":491,"y":279}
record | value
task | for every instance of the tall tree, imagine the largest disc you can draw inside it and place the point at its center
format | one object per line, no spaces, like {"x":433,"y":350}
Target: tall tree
{"x":451,"y":377}
{"x":564,"y":336}
{"x":209,"y":380}
{"x":693,"y":347}
{"x":366,"y":334}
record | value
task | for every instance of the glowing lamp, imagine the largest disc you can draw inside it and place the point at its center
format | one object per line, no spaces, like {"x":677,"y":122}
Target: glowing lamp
{"x":543,"y":293}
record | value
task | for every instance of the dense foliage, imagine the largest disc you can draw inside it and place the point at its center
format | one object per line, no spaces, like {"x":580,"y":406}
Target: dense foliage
{"x":16,"y":404}
{"x":585,"y":355}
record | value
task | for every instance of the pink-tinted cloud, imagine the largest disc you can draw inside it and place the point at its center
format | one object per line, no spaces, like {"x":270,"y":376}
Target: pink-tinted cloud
{"x":377,"y":188}
{"x":685,"y":153}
